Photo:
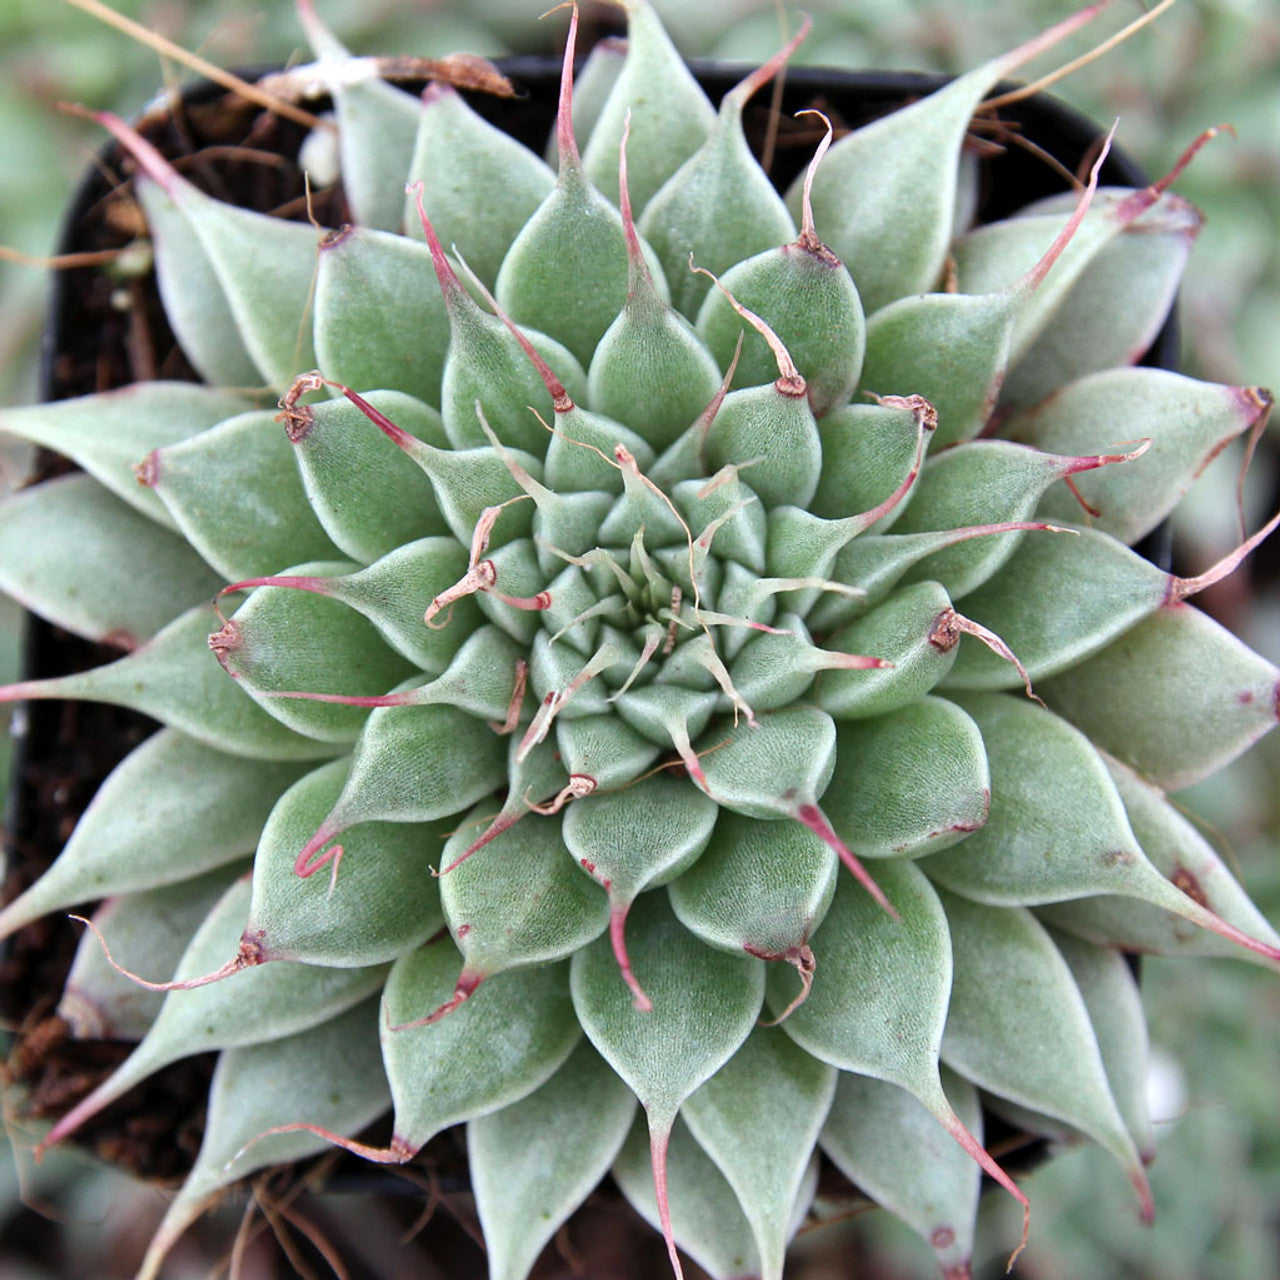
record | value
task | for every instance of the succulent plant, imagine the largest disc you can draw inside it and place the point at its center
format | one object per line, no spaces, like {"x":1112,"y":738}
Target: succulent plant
{"x":648,"y":756}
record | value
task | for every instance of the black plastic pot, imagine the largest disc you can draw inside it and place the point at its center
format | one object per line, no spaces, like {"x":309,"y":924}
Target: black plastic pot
{"x":62,"y":755}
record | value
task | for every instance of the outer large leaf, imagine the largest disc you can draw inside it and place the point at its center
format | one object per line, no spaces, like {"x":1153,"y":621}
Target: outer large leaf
{"x":109,"y":433}
{"x":79,"y":557}
{"x":148,"y":932}
{"x":533,"y":1163}
{"x":706,"y":1217}
{"x":704,"y":1004}
{"x":175,"y":678}
{"x":329,"y":1076}
{"x":885,"y":1141}
{"x":257,"y":1004}
{"x":1204,"y":696}
{"x":496,"y":1049}
{"x":171,"y":810}
{"x":1019,"y":1027}
{"x":758,"y":1118}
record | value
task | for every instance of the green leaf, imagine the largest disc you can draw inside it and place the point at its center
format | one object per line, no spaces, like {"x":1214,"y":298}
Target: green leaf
{"x":1204,"y":696}
{"x":880,"y":992}
{"x":377,"y":124}
{"x":810,"y":302}
{"x":108,"y":433}
{"x":761,"y":887}
{"x":1054,"y":603}
{"x":384,"y":903}
{"x":1131,"y":283}
{"x":330,"y":1076}
{"x":706,"y":1218}
{"x":171,"y":810}
{"x":718,"y":206}
{"x":79,"y":557}
{"x":901,"y":630}
{"x":256,"y":1004}
{"x":885,"y":1141}
{"x":236,"y":495}
{"x":910,"y":782}
{"x":148,"y":932}
{"x":1018,"y":1027}
{"x":480,"y":186}
{"x":532,"y":1164}
{"x":369,"y":496}
{"x":410,"y":764}
{"x":667,"y":823}
{"x":518,"y":902}
{"x":1187,"y":422}
{"x":976,"y":483}
{"x":175,"y":679}
{"x":670,"y":116}
{"x":500,"y":1046}
{"x":758,"y":1118}
{"x":1114,"y":1004}
{"x":1057,"y":828}
{"x":885,"y":195}
{"x":1182,"y":855}
{"x":868,"y":453}
{"x":704,"y":1003}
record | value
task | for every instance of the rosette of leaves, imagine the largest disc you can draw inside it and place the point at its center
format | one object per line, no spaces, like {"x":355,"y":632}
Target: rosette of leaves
{"x":668,"y":739}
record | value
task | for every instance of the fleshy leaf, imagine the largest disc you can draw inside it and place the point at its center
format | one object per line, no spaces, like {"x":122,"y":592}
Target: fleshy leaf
{"x":886,"y":194}
{"x":377,"y":125}
{"x":76,"y":555}
{"x":868,"y":450}
{"x":107,"y":433}
{"x":758,"y":1118}
{"x":149,"y":931}
{"x":1114,"y":1004}
{"x":378,"y":322}
{"x":1057,"y":829}
{"x":574,"y":224}
{"x":330,"y":1075}
{"x":1182,"y":855}
{"x":636,"y":839}
{"x":281,"y":640}
{"x":1018,"y":1027}
{"x":410,"y":764}
{"x":505,"y":1042}
{"x":902,"y":630}
{"x":1187,"y":422}
{"x":885,"y":1141}
{"x":535,"y":1162}
{"x":706,"y":1218}
{"x":385,"y":903}
{"x":882,"y":816}
{"x":258,"y":1003}
{"x":519,"y":902}
{"x":1205,"y":696}
{"x":480,"y":185}
{"x":762,"y":888}
{"x":235,"y":493}
{"x":1133,"y":282}
{"x":270,"y":304}
{"x":718,"y":206}
{"x":1055,"y":602}
{"x":880,"y":993}
{"x":704,"y":1005}
{"x":670,"y":116}
{"x":170,"y":811}
{"x":175,"y":679}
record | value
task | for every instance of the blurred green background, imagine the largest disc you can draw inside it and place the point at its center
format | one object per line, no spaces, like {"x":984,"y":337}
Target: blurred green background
{"x":1214,"y":1025}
